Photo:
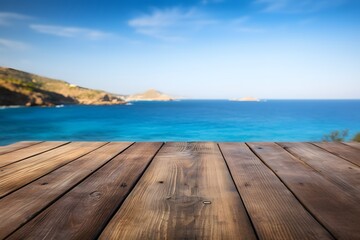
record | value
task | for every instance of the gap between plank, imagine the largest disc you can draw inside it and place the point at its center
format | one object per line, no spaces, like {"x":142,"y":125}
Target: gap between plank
{"x":61,"y":195}
{"x":247,"y":213}
{"x":53,"y":169}
{"x":325,"y":176}
{"x":35,"y":143}
{"x":302,"y":161}
{"x":34,"y":154}
{"x":308,"y":210}
{"x":333,"y":153}
{"x":130,"y":190}
{"x":344,"y":143}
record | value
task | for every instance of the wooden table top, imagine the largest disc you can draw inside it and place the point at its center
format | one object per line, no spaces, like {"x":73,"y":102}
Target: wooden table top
{"x":179,"y":190}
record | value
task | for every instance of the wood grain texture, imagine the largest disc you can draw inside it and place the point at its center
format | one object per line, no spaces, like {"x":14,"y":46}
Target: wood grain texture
{"x":337,"y":210}
{"x":339,"y":171}
{"x":17,"y":146}
{"x":83,"y":212}
{"x":353,"y":144}
{"x":186,"y":193}
{"x":274,"y":210}
{"x":341,"y":150}
{"x":25,"y":153}
{"x":21,"y":173}
{"x":23,"y":204}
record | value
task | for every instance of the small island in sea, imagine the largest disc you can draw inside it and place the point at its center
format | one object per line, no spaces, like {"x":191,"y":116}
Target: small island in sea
{"x":150,"y":95}
{"x":246,"y":99}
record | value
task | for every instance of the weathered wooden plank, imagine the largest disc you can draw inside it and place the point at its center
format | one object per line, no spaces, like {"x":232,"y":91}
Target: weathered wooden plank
{"x":16,"y":146}
{"x":186,"y":193}
{"x":24,"y":153}
{"x":21,"y":173}
{"x":353,"y":144}
{"x":23,"y":204}
{"x":349,"y":153}
{"x":337,"y":210}
{"x":339,"y":171}
{"x":274,"y":210}
{"x":83,"y":212}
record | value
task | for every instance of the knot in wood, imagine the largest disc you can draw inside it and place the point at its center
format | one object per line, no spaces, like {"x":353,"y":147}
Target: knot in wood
{"x":95,"y":195}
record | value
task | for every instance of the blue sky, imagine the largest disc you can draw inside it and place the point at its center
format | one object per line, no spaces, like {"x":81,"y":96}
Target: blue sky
{"x":273,"y":49}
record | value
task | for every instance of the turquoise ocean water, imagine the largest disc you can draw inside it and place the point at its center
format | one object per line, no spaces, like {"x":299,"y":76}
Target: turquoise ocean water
{"x":200,"y":120}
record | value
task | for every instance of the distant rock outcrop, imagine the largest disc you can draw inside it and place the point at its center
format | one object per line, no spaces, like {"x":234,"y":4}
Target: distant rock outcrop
{"x":150,"y":95}
{"x":26,"y":89}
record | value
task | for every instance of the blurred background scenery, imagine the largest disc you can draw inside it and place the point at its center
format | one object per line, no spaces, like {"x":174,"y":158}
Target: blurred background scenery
{"x":156,"y":70}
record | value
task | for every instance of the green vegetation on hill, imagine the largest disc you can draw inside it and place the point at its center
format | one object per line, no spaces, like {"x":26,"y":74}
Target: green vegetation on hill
{"x":356,"y":138}
{"x":336,"y":136}
{"x":340,"y":136}
{"x":22,"y":88}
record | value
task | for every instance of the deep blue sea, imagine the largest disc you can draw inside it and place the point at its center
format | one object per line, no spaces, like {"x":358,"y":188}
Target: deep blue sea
{"x":187,"y":120}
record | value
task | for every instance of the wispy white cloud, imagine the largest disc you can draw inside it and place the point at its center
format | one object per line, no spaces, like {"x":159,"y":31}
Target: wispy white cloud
{"x":240,"y":20}
{"x":250,"y":29}
{"x":12,"y":44}
{"x":171,"y":24}
{"x":71,"y":32}
{"x":7,"y":18}
{"x":297,"y":6}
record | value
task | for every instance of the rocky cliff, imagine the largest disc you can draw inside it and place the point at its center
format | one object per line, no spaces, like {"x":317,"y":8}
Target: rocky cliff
{"x":22,"y":88}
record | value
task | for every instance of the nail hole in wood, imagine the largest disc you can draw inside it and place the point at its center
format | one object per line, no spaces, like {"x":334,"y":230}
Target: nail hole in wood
{"x":123,"y":185}
{"x":161,"y":181}
{"x":45,"y":183}
{"x":206,"y":202}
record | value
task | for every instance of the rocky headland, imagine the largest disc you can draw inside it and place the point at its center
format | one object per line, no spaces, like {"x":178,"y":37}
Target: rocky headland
{"x":18,"y":88}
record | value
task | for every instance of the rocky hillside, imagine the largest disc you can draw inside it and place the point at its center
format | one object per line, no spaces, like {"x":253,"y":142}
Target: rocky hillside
{"x":22,"y":88}
{"x":150,"y":95}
